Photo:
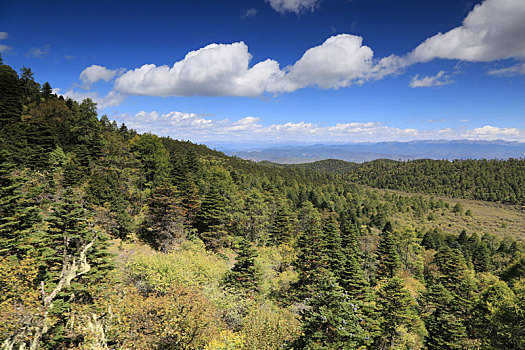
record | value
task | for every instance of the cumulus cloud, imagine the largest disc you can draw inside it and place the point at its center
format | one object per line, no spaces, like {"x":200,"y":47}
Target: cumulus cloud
{"x":493,"y":30}
{"x":439,"y":79}
{"x":224,"y":70}
{"x":297,"y":6}
{"x":112,"y":99}
{"x":338,"y":62}
{"x":489,"y":132}
{"x":38,"y":52}
{"x":95,"y":73}
{"x":518,"y":69}
{"x":201,"y":128}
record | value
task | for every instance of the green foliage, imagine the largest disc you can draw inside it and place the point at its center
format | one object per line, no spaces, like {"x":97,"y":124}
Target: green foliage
{"x":400,"y":324}
{"x":244,"y":276}
{"x":387,"y":254}
{"x":165,"y":224}
{"x":332,"y":320}
{"x":490,"y":180}
{"x":350,"y":260}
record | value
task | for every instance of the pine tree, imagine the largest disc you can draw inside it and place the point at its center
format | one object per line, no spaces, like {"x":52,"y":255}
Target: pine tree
{"x":352,"y":277}
{"x":18,"y":211}
{"x":210,"y":220}
{"x":282,"y":228}
{"x":481,"y":258}
{"x":388,"y":258}
{"x":244,"y":276}
{"x":332,"y":320}
{"x":445,"y":329}
{"x":400,"y":324}
{"x":331,"y":243}
{"x":10,"y":96}
{"x":310,"y":262}
{"x":68,"y":230}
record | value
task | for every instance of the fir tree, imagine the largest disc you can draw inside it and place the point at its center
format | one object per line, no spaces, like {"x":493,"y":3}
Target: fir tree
{"x":10,"y":96}
{"x":244,"y":276}
{"x":332,"y":320}
{"x":481,"y":258}
{"x":282,"y":228}
{"x":210,"y":220}
{"x":400,"y":324}
{"x":388,"y":258}
{"x":18,"y":211}
{"x":445,"y":329}
{"x":331,"y":242}
{"x":310,"y":262}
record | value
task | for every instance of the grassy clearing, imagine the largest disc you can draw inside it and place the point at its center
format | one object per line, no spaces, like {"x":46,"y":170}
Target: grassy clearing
{"x":487,"y":217}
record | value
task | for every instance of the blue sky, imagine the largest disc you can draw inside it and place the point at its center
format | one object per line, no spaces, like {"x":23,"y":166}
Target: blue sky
{"x":283,"y":70}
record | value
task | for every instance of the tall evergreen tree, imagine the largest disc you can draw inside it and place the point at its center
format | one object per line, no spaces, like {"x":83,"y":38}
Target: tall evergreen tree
{"x":244,"y":276}
{"x":331,"y":243}
{"x":445,"y":329}
{"x":332,"y":320}
{"x":18,"y":211}
{"x":282,"y":228}
{"x":210,"y":220}
{"x":10,"y":96}
{"x":400,"y":324}
{"x":388,"y":258}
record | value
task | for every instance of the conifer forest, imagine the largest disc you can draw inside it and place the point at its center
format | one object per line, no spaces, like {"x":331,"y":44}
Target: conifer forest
{"x":111,"y":239}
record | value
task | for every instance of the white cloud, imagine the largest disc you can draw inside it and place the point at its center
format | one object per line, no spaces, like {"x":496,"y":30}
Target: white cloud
{"x":518,"y":69}
{"x":493,"y":30}
{"x":38,"y":52}
{"x":249,"y":13}
{"x":489,"y":132}
{"x":5,"y":48}
{"x":112,"y":99}
{"x":224,"y":70}
{"x":95,"y":73}
{"x":340,"y":61}
{"x":297,"y":6}
{"x":439,"y":79}
{"x":200,"y":128}
{"x":215,"y":70}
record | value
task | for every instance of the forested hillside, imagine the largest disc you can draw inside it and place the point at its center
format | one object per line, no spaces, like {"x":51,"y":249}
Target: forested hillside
{"x":488,"y":180}
{"x":110,"y":239}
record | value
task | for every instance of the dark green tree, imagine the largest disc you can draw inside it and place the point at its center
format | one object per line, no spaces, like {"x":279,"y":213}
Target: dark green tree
{"x":19,"y":212}
{"x":445,"y":328}
{"x":481,"y":258}
{"x":211,"y":218}
{"x":244,"y":275}
{"x":10,"y":96}
{"x":400,"y":324}
{"x":387,"y":256}
{"x":332,"y":320}
{"x":283,"y":226}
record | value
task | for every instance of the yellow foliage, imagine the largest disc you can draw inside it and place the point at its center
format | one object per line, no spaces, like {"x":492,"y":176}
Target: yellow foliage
{"x":188,"y":265}
{"x":227,"y":340}
{"x":181,"y":319}
{"x":19,"y":296}
{"x":267,"y":327}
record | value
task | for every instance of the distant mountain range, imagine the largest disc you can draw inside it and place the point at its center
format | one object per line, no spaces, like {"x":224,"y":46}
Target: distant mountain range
{"x":362,"y":152}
